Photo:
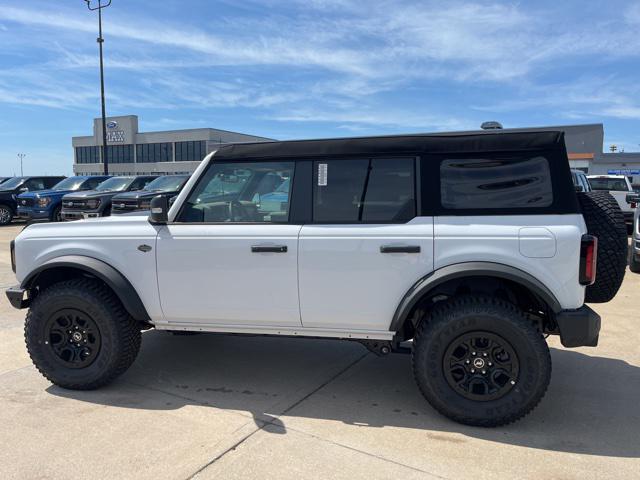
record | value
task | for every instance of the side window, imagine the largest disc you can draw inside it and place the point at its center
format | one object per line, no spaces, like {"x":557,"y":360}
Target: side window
{"x":241,"y":192}
{"x":91,"y":183}
{"x":518,"y":181}
{"x":140,"y":183}
{"x":378,"y":190}
{"x":50,"y":182}
{"x":34,"y":184}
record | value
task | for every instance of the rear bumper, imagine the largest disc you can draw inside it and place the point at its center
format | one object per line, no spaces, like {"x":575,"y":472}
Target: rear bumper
{"x":628,"y":217}
{"x":17,"y":297}
{"x":579,"y":328}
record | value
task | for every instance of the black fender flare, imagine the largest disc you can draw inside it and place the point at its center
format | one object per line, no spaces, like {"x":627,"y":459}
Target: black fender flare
{"x":469,"y":269}
{"x":101,"y":270}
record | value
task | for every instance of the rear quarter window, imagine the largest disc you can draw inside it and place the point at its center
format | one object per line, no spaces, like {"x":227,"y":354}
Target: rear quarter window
{"x":506,"y":182}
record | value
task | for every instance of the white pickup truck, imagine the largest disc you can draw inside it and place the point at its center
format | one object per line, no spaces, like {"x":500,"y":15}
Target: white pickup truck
{"x":619,"y":186}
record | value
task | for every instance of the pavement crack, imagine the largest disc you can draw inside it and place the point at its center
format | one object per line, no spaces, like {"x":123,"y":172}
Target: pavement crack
{"x":276,"y":417}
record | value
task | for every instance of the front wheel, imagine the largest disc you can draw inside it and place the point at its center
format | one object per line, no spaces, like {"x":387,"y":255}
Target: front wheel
{"x":79,"y":336}
{"x":479,"y":361}
{"x":6,"y":215}
{"x":56,"y":216}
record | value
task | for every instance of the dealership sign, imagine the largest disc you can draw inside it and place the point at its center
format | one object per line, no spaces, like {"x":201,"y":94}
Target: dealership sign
{"x":114,"y":136}
{"x":623,"y":172}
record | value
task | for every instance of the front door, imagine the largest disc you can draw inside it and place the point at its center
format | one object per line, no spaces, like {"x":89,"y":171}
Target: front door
{"x":366,"y":246}
{"x":230,"y":257}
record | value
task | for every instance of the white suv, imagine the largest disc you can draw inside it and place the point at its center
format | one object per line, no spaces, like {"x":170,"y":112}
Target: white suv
{"x":471,"y":246}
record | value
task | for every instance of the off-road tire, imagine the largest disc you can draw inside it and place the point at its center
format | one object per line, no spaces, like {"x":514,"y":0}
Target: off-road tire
{"x":120,"y":335}
{"x":605,"y":220}
{"x":6,"y":214}
{"x":450,"y":321}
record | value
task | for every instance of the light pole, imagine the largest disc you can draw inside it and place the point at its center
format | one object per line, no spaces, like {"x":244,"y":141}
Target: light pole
{"x":100,"y":41}
{"x":21,"y":156}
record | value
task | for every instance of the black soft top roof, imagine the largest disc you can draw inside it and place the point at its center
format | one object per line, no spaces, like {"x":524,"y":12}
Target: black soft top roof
{"x":489,"y":141}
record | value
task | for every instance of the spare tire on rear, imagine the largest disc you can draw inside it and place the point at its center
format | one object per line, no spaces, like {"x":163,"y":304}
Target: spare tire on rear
{"x":605,"y":220}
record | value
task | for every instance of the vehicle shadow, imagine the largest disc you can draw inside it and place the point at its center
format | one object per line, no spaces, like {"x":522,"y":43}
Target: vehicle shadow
{"x":591,"y":406}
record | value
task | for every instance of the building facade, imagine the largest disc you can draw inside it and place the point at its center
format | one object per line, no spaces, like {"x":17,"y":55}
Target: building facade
{"x":130,"y":152}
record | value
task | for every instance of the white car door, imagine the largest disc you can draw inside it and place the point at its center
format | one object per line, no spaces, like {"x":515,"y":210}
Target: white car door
{"x":366,"y":246}
{"x":230,"y":258}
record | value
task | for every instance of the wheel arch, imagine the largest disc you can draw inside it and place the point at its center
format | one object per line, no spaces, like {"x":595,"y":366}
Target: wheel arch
{"x":69,"y":266}
{"x":428,"y":285}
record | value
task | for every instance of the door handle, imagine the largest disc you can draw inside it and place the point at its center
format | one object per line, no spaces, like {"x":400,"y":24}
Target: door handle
{"x":400,"y":249}
{"x":269,"y":248}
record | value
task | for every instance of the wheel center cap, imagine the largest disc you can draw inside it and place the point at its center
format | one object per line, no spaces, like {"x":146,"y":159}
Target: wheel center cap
{"x":478,"y":363}
{"x":77,"y":336}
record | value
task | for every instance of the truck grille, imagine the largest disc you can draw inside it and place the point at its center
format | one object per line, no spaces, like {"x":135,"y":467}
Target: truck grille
{"x":124,"y":205}
{"x":74,"y":204}
{"x":25,"y":202}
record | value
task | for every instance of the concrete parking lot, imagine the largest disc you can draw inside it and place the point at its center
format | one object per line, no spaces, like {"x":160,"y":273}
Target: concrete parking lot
{"x":215,"y":406}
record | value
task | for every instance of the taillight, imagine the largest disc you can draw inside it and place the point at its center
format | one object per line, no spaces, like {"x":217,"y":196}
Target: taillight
{"x":588,"y":259}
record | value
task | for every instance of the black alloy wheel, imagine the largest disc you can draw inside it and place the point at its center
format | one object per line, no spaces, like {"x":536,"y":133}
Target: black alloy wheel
{"x":481,"y":366}
{"x":74,"y":338}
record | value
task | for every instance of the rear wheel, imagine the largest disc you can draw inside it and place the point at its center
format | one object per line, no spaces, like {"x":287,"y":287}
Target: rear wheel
{"x":6,"y":215}
{"x":79,"y":336}
{"x":605,"y":220}
{"x":479,"y":361}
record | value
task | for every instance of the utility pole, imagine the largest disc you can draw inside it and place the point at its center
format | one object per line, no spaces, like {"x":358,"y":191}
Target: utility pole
{"x":21,"y":156}
{"x":100,"y":41}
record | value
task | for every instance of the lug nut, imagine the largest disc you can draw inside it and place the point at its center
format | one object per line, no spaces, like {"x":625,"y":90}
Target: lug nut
{"x":468,"y":362}
{"x":473,"y":353}
{"x":484,"y":372}
{"x":490,"y":364}
{"x":512,"y":382}
{"x":484,"y":354}
{"x":473,"y":370}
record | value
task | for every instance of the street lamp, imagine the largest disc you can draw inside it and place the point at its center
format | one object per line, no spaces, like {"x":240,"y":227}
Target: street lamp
{"x":100,"y":41}
{"x":21,"y":156}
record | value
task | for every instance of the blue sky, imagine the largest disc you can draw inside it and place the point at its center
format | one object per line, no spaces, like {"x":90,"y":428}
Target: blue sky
{"x":314,"y":68}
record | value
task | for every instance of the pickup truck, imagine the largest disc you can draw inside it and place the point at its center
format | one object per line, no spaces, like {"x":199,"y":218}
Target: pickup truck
{"x":619,"y":187}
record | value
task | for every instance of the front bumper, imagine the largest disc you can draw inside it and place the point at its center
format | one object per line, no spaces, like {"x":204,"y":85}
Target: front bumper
{"x":17,"y":297}
{"x":578,"y":328}
{"x":31,"y":213}
{"x":78,"y":215}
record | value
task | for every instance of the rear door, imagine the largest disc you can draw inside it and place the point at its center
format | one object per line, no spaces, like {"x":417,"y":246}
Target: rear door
{"x":366,"y":245}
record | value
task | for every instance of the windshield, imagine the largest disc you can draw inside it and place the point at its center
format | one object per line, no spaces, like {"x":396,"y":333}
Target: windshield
{"x":115,"y":184}
{"x":12,"y":183}
{"x":71,"y":183}
{"x":166,"y":184}
{"x":610,"y":184}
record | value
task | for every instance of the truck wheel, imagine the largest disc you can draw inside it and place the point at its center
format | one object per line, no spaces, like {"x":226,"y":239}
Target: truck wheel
{"x":79,"y":336}
{"x":56,"y":216}
{"x":6,"y":215}
{"x":605,"y":220}
{"x":479,"y":361}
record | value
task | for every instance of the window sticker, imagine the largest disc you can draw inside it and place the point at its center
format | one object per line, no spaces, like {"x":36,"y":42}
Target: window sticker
{"x":322,"y":174}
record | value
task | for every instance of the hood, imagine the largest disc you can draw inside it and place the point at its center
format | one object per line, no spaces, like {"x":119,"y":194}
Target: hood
{"x":142,"y":194}
{"x":44,"y":193}
{"x":89,"y":194}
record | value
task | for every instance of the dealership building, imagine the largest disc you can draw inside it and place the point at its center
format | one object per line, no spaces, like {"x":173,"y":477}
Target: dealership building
{"x":130,"y":152}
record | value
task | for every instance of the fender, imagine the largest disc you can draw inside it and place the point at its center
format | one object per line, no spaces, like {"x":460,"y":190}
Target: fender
{"x":469,"y":269}
{"x":101,"y":270}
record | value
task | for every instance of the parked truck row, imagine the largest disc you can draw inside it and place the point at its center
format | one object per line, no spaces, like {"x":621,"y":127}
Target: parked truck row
{"x":57,"y":198}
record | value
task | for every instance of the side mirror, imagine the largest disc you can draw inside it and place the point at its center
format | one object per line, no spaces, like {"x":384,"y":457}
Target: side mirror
{"x":633,"y":198}
{"x":579,"y":188}
{"x":159,"y":210}
{"x":23,"y":189}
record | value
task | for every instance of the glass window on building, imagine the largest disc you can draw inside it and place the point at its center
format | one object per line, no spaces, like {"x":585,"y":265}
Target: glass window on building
{"x":120,"y":153}
{"x":154,"y":152}
{"x":192,"y":151}
{"x":86,"y":155}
